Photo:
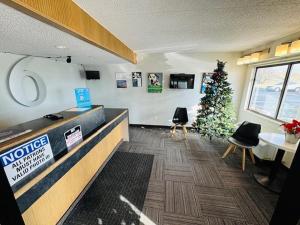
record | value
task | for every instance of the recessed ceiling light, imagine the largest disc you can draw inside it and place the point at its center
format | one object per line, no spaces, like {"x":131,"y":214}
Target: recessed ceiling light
{"x":60,"y":46}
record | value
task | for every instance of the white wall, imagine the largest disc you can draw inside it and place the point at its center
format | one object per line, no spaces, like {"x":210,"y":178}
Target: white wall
{"x":145,"y":108}
{"x":158,"y":108}
{"x":60,"y":79}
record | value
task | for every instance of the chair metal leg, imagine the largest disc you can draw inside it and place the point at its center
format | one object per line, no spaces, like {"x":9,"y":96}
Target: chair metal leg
{"x":252,"y":155}
{"x":227,"y":151}
{"x":244,"y":159}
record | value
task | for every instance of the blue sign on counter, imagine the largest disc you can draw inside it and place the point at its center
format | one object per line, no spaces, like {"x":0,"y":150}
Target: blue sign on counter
{"x":83,"y":99}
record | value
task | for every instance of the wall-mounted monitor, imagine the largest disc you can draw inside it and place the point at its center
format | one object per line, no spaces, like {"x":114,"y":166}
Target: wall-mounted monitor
{"x":182,"y":81}
{"x":92,"y":75}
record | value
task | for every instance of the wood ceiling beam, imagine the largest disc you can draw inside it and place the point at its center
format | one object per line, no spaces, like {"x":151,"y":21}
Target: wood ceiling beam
{"x":69,"y":17}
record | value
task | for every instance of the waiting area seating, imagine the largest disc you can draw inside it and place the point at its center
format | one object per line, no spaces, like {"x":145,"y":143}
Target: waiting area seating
{"x":246,"y":138}
{"x":180,"y":119}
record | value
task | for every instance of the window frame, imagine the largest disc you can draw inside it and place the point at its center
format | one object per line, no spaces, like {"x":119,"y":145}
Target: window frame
{"x":283,"y":91}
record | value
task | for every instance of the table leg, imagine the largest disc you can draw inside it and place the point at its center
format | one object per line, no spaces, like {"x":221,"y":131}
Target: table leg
{"x":268,"y":180}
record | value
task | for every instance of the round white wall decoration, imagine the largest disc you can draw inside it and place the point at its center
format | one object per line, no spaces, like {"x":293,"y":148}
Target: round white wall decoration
{"x":16,"y":84}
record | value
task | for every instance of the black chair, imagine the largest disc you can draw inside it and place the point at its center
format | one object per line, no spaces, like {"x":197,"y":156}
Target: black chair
{"x":245,"y":137}
{"x":180,"y":118}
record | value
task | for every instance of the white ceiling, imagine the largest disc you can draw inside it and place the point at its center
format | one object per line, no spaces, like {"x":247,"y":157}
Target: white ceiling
{"x":23,"y":34}
{"x":202,"y":25}
{"x":156,"y":26}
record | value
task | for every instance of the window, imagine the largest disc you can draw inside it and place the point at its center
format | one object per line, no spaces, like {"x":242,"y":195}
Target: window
{"x":276,"y":92}
{"x":290,"y":106}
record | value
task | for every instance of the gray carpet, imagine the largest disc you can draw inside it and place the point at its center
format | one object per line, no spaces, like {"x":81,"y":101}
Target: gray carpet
{"x":118,"y":193}
{"x":191,"y":184}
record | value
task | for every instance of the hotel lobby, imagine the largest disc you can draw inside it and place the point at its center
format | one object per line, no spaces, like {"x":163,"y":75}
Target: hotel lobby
{"x":149,"y":112}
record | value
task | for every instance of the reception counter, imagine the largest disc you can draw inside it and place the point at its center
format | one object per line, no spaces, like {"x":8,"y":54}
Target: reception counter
{"x":47,"y":168}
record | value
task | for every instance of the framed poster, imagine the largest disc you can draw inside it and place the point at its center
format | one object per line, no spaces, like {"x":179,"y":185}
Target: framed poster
{"x":206,"y":77}
{"x":155,"y":82}
{"x":136,"y":79}
{"x":122,"y":80}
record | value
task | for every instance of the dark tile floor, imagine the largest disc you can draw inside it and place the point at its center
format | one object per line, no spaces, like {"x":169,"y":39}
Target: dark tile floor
{"x":191,"y":184}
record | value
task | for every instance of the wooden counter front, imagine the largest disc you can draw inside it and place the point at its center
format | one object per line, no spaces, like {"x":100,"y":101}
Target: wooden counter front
{"x":45,"y":199}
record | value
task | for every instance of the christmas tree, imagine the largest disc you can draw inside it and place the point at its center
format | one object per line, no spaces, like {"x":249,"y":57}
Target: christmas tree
{"x":216,"y":115}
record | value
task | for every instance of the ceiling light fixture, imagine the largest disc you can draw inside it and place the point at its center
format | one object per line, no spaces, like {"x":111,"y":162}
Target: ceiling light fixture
{"x":60,"y":47}
{"x":240,"y":61}
{"x":282,"y":50}
{"x":295,"y":47}
{"x":247,"y":59}
{"x":243,"y":60}
{"x":254,"y":57}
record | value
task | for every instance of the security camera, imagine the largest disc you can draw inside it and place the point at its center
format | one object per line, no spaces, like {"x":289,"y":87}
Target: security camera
{"x":69,"y":60}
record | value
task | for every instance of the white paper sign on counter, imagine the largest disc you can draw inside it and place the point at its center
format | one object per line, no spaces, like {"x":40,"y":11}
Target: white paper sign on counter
{"x":73,"y":137}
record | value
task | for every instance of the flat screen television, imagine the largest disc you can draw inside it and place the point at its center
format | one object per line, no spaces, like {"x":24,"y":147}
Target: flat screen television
{"x":182,"y":81}
{"x":92,"y":75}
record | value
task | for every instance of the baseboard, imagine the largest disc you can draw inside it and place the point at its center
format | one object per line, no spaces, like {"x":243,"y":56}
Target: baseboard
{"x":155,"y":126}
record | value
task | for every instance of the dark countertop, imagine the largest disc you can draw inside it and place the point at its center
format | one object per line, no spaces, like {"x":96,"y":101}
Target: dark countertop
{"x":39,"y":124}
{"x":112,"y":113}
{"x":44,"y":123}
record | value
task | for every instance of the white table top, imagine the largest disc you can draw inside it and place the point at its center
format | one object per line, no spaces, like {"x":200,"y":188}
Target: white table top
{"x":278,"y":140}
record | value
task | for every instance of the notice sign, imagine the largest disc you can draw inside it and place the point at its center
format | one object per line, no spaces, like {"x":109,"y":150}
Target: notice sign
{"x":73,"y":137}
{"x":26,"y":158}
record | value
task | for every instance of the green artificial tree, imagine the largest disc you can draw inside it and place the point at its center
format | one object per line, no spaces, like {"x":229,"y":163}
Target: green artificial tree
{"x":216,"y":115}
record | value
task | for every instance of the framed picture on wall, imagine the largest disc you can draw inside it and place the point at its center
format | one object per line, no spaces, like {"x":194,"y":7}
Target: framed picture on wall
{"x":155,"y":82}
{"x":136,"y":79}
{"x":206,"y":77}
{"x":121,"y":83}
{"x":122,"y":80}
